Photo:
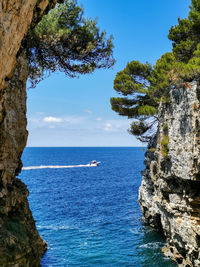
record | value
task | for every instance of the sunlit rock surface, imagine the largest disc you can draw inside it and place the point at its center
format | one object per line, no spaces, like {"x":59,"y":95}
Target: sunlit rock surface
{"x":170,"y":192}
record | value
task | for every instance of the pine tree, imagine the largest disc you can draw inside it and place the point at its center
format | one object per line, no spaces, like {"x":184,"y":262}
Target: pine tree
{"x":143,"y":86}
{"x":185,"y":36}
{"x":66,"y":41}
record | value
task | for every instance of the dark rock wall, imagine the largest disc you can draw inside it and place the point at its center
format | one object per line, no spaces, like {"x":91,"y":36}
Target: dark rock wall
{"x":20,"y":243}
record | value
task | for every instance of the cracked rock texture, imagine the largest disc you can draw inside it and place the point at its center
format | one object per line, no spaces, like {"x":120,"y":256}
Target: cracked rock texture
{"x":16,"y":16}
{"x":20,"y":243}
{"x":169,"y":195}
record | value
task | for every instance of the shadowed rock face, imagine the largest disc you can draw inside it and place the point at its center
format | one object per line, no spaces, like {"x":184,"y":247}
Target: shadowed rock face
{"x":170,"y":192}
{"x":20,"y":243}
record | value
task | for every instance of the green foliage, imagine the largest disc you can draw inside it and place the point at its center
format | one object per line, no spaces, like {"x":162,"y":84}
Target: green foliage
{"x":143,"y":87}
{"x":133,"y":79}
{"x":185,"y":39}
{"x":185,"y":36}
{"x":165,"y":128}
{"x":161,"y":79}
{"x":164,"y":145}
{"x":17,"y":229}
{"x":138,"y":128}
{"x":146,"y":110}
{"x":142,"y":129}
{"x":152,"y":149}
{"x":65,"y":41}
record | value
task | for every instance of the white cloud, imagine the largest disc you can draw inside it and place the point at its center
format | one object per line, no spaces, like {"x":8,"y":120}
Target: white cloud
{"x":116,"y":126}
{"x":73,"y":130}
{"x":52,"y":119}
{"x":56,"y":122}
{"x":99,"y":119}
{"x":109,"y":127}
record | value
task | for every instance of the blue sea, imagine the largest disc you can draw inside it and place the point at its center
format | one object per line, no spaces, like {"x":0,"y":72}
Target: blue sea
{"x":90,"y":216}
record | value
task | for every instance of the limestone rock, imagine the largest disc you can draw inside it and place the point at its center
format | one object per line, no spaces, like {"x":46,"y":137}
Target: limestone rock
{"x":16,"y":16}
{"x":20,"y":243}
{"x":170,"y":191}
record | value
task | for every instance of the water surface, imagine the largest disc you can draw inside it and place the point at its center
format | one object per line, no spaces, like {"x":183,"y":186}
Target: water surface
{"x":90,"y":216}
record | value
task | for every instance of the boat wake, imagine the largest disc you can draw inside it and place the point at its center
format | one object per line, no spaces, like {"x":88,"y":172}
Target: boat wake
{"x":57,"y":167}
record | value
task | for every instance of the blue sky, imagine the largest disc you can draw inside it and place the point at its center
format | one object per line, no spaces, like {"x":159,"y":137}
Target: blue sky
{"x":76,"y":112}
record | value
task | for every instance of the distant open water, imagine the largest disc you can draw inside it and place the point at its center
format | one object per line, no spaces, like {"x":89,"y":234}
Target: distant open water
{"x":90,"y":216}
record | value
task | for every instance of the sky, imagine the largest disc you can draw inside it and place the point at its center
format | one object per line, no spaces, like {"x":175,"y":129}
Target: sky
{"x":62,"y":111}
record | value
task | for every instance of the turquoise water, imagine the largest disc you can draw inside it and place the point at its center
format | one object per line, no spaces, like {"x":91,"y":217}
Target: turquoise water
{"x":90,"y":216}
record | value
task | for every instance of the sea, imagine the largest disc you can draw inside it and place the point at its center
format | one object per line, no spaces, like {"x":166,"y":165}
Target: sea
{"x":90,"y":216}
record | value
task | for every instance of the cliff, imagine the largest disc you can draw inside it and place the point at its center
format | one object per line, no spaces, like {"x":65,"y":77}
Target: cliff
{"x":170,"y":191}
{"x":20,"y":243}
{"x":16,"y":16}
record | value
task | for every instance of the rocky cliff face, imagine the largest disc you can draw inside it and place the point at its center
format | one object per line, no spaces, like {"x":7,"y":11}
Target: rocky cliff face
{"x":20,"y":243}
{"x":170,"y":192}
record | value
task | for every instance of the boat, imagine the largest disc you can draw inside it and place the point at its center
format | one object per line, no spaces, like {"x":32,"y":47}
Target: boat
{"x":94,"y":163}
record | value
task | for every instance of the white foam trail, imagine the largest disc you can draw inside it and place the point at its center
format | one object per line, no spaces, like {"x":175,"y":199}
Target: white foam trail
{"x":57,"y":167}
{"x":152,"y":245}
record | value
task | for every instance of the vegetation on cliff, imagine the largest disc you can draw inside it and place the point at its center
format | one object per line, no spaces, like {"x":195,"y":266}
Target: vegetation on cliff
{"x":143,"y":86}
{"x":66,"y":41}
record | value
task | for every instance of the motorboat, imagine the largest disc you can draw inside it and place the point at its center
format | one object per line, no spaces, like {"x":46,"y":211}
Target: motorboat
{"x":94,"y":163}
